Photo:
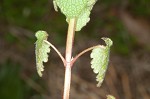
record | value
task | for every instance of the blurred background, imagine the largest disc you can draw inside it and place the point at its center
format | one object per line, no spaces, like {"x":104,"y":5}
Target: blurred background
{"x":126,"y":22}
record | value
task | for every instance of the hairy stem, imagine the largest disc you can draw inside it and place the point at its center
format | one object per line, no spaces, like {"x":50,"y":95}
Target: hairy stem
{"x":84,"y":51}
{"x":69,"y":44}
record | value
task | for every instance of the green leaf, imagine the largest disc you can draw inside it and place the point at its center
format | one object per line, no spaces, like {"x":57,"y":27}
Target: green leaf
{"x":42,"y":49}
{"x":100,"y":59}
{"x":79,"y":9}
{"x":83,"y":19}
{"x":110,"y":97}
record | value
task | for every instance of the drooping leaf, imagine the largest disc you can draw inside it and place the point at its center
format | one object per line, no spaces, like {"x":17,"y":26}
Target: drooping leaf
{"x":41,"y":51}
{"x":100,"y":59}
{"x":79,"y":9}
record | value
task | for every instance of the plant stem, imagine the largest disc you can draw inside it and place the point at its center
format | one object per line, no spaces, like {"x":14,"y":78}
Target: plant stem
{"x":69,"y":44}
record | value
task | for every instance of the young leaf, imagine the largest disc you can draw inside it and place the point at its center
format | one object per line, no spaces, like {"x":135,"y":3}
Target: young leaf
{"x":79,"y":9}
{"x":41,"y":50}
{"x":110,"y":97}
{"x":100,"y":58}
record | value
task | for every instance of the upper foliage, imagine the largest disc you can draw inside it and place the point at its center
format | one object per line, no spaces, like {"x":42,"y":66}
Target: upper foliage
{"x":79,"y":9}
{"x":100,"y":58}
{"x":42,"y":48}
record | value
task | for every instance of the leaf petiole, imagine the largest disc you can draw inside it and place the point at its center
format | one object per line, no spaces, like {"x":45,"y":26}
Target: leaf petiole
{"x":84,"y":51}
{"x":62,"y":58}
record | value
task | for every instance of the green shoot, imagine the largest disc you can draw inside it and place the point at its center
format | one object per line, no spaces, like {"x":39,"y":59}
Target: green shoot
{"x":77,"y":14}
{"x":110,"y":97}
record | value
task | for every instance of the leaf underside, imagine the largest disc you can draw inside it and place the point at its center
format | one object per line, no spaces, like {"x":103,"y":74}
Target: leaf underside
{"x":41,"y":51}
{"x":79,"y":9}
{"x":100,"y":59}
